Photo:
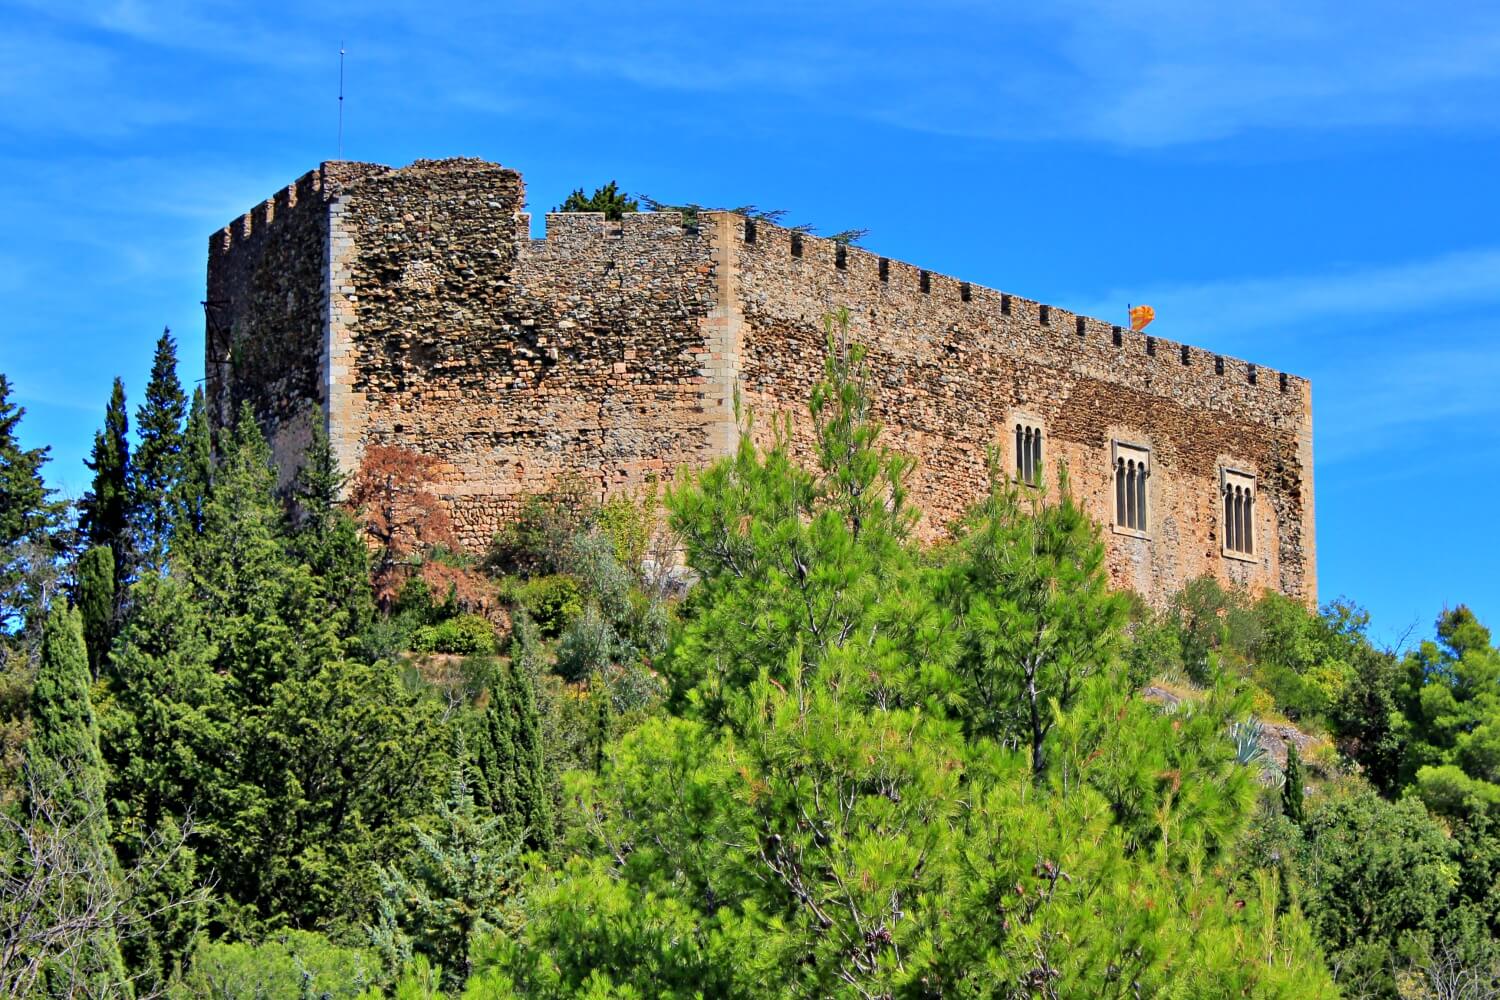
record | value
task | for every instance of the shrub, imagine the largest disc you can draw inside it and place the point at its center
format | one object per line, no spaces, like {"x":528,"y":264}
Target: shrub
{"x":536,"y":542}
{"x":290,"y":964}
{"x":552,"y":601}
{"x":464,"y":635}
{"x":589,"y":646}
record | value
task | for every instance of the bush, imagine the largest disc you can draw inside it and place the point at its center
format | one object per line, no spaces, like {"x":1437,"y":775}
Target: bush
{"x":464,"y":635}
{"x":536,"y":542}
{"x":290,"y":964}
{"x":552,"y":601}
{"x":589,"y":646}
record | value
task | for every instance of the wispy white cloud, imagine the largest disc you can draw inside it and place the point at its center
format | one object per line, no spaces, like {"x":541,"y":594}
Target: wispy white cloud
{"x":1384,"y":401}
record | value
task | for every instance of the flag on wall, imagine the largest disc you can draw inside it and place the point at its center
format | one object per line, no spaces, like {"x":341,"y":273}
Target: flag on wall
{"x":1141,"y":317}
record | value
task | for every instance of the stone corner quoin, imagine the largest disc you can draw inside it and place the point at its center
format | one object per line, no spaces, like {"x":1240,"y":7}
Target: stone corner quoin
{"x":410,"y":306}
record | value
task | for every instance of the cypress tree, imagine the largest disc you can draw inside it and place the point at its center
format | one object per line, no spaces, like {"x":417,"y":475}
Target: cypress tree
{"x":191,"y":493}
{"x":1291,"y":792}
{"x":96,"y":603}
{"x":512,"y":777}
{"x":28,"y":514}
{"x":158,"y":464}
{"x":104,"y":511}
{"x":327,"y":539}
{"x":64,"y":754}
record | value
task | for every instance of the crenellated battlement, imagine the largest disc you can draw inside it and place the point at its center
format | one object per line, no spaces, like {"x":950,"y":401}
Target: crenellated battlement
{"x":412,"y":306}
{"x":860,"y":272}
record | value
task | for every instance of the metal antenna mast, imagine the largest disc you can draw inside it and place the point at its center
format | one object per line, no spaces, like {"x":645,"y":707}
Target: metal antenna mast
{"x":341,"y":100}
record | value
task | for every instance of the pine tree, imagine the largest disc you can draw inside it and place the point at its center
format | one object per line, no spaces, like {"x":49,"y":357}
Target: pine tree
{"x":96,"y":603}
{"x":104,"y":511}
{"x":29,"y":517}
{"x":64,"y":753}
{"x":158,"y":464}
{"x":1036,"y":610}
{"x":1291,"y":792}
{"x":196,"y":481}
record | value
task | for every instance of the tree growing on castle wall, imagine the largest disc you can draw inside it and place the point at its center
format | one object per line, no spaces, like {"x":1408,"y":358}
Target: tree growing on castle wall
{"x":608,"y":199}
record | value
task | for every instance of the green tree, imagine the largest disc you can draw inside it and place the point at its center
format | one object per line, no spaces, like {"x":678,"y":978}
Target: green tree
{"x":1378,"y":878}
{"x":96,"y":603}
{"x":608,"y":199}
{"x":191,"y":495}
{"x":1452,"y":700}
{"x":302,"y":768}
{"x":458,"y":881}
{"x":512,"y":778}
{"x":822,"y":824}
{"x":64,"y":751}
{"x":29,"y":517}
{"x":327,"y":538}
{"x":104,"y":511}
{"x":1036,"y":611}
{"x":157,"y":466}
{"x":1292,"y":806}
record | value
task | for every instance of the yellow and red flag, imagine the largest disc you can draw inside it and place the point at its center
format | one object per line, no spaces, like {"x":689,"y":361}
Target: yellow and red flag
{"x":1141,"y":317}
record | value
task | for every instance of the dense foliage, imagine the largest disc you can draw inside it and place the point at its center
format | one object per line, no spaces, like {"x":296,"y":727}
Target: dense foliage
{"x":751,"y":739}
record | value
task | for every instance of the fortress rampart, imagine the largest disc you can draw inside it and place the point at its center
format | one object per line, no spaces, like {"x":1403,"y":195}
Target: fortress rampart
{"x":411,"y":306}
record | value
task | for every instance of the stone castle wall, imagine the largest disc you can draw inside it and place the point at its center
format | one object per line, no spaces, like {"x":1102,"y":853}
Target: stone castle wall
{"x":955,"y":364}
{"x":412,"y":307}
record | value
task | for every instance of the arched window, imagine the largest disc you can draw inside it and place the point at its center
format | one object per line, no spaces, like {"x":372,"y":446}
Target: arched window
{"x":1121,"y":518}
{"x":1028,"y":451}
{"x":1132,"y":498}
{"x":1238,"y":489}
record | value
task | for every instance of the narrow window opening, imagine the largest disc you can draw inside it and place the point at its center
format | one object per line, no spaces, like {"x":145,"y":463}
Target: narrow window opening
{"x":796,"y":244}
{"x":1120,"y":518}
{"x":749,"y":230}
{"x":1151,"y":347}
{"x":964,"y":291}
{"x":1028,"y":452}
{"x":841,"y":257}
{"x":885,"y":269}
{"x":1004,"y":305}
{"x":1044,"y":313}
{"x":1082,"y":326}
{"x":1251,"y":372}
{"x":1218,"y":364}
{"x":1132,"y":475}
{"x":926,"y":282}
{"x":1187,"y":355}
{"x":1283,"y":382}
{"x":1230,"y":541}
{"x":1119,"y":336}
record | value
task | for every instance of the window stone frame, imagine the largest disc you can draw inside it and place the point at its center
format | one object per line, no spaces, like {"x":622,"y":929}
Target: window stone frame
{"x":1122,"y":451}
{"x":1017,"y":423}
{"x":1231,"y":478}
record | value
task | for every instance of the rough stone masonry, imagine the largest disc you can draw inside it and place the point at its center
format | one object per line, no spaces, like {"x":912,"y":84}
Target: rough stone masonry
{"x":411,"y":306}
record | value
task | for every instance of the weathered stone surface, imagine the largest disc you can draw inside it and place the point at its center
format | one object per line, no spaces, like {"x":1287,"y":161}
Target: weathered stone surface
{"x":410,"y":306}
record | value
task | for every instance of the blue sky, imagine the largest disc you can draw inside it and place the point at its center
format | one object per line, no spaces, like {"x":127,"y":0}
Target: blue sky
{"x":1310,"y":186}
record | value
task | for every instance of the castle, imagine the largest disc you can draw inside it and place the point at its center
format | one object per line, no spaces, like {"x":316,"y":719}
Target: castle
{"x":411,"y":306}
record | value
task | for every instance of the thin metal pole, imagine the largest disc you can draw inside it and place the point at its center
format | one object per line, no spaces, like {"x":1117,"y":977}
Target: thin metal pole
{"x":341,"y":100}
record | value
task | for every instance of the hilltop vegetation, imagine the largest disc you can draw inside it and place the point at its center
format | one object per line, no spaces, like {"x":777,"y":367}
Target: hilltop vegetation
{"x":264,"y":744}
